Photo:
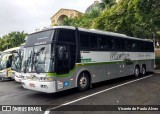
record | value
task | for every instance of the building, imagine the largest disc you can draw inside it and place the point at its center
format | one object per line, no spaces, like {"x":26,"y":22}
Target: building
{"x":58,"y":18}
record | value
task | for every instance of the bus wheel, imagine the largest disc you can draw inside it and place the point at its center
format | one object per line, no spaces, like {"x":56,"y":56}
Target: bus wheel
{"x":83,"y":81}
{"x":136,"y":71}
{"x":143,"y":70}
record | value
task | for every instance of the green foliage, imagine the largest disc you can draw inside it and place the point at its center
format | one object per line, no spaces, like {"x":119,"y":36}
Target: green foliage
{"x":84,"y":21}
{"x":107,"y":4}
{"x":157,"y":62}
{"x":138,"y":18}
{"x":11,"y":40}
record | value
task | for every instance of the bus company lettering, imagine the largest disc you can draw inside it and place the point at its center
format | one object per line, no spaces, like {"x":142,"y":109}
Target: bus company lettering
{"x":118,"y":56}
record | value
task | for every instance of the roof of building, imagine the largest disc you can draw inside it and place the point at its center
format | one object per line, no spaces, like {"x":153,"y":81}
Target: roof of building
{"x":66,"y":9}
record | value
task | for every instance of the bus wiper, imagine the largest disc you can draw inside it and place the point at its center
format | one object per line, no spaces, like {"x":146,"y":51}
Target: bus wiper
{"x":39,"y":51}
{"x":25,"y":66}
{"x":26,"y":63}
{"x":35,"y":55}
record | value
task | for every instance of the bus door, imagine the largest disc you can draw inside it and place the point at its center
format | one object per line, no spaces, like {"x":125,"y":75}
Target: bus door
{"x":63,"y":59}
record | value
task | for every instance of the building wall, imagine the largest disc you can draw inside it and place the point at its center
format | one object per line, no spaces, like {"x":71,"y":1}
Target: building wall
{"x":63,"y":13}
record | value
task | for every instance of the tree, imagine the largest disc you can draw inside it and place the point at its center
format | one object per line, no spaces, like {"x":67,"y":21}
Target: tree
{"x":11,"y":40}
{"x":138,"y":18}
{"x":84,"y":21}
{"x":107,"y":4}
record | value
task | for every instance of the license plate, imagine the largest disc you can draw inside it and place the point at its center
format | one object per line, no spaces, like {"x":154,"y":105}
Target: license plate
{"x":32,"y":85}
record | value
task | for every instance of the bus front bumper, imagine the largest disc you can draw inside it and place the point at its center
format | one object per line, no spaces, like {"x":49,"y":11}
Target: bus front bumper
{"x":3,"y":76}
{"x":17,"y":79}
{"x":46,"y":87}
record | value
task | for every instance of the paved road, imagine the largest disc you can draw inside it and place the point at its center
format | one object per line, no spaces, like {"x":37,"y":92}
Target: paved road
{"x":141,"y":92}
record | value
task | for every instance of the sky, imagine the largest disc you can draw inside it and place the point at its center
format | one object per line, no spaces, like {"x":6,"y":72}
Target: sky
{"x":29,"y":15}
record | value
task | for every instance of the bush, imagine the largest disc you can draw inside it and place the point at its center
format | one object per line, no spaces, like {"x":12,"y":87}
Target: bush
{"x":157,"y":62}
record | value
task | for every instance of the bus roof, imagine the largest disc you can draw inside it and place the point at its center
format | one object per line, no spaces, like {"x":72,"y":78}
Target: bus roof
{"x":112,"y":34}
{"x":93,"y":31}
{"x":5,"y":57}
{"x":11,"y":49}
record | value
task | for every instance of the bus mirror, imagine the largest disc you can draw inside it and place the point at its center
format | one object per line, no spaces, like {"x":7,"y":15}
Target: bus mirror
{"x":61,"y":52}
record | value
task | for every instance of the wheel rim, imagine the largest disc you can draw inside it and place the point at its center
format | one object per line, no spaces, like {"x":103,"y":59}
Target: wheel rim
{"x":83,"y":82}
{"x":137,"y":71}
{"x":143,"y":70}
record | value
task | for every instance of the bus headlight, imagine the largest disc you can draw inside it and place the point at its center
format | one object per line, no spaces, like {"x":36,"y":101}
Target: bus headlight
{"x":49,"y":79}
{"x":5,"y":73}
{"x":23,"y":77}
{"x":13,"y":74}
{"x":46,"y":79}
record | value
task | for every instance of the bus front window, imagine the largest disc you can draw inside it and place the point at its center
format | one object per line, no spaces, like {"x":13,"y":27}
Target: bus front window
{"x":16,"y":62}
{"x":42,"y":58}
{"x":27,"y":59}
{"x":37,"y":59}
{"x":6,"y":61}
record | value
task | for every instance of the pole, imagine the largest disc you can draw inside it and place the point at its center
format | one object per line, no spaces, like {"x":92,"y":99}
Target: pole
{"x":154,"y":40}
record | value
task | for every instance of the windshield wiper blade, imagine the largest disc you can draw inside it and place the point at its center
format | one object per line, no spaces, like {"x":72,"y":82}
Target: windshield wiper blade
{"x":35,"y":55}
{"x":34,"y":62}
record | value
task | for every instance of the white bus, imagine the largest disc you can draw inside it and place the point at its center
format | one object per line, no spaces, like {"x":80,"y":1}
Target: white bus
{"x":6,"y":62}
{"x":62,"y":58}
{"x":17,"y":64}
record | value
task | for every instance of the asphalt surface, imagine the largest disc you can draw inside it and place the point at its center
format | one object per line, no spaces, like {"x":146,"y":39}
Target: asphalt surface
{"x":141,"y":92}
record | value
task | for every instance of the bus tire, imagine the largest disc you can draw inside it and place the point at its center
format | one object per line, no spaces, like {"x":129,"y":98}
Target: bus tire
{"x":83,"y":82}
{"x":136,"y":71}
{"x":143,"y":70}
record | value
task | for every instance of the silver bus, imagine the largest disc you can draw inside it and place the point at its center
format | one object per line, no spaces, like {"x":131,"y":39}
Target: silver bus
{"x":61,"y":58}
{"x":17,"y":64}
{"x":6,"y":63}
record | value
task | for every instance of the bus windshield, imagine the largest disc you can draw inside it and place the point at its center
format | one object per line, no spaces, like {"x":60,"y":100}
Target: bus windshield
{"x":16,"y":61}
{"x":37,"y":59}
{"x":6,"y":60}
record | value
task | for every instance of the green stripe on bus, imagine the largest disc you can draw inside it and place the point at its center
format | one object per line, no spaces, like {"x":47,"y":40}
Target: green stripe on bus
{"x":88,"y":64}
{"x":62,"y":75}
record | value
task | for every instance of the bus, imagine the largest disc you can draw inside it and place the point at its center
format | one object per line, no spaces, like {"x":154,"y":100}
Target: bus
{"x":63,"y":57}
{"x":16,"y":64}
{"x":6,"y":62}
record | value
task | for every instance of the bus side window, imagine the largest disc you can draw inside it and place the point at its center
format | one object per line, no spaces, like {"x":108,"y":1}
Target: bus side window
{"x":110,"y":43}
{"x":141,"y":46}
{"x":93,"y":41}
{"x":69,"y":37}
{"x":9,"y":62}
{"x":102,"y":42}
{"x":62,"y":53}
{"x":84,"y":40}
{"x":138,"y":47}
{"x":149,"y":47}
{"x":117,"y":43}
{"x":128,"y":45}
{"x":66,"y":36}
{"x":122,"y":44}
